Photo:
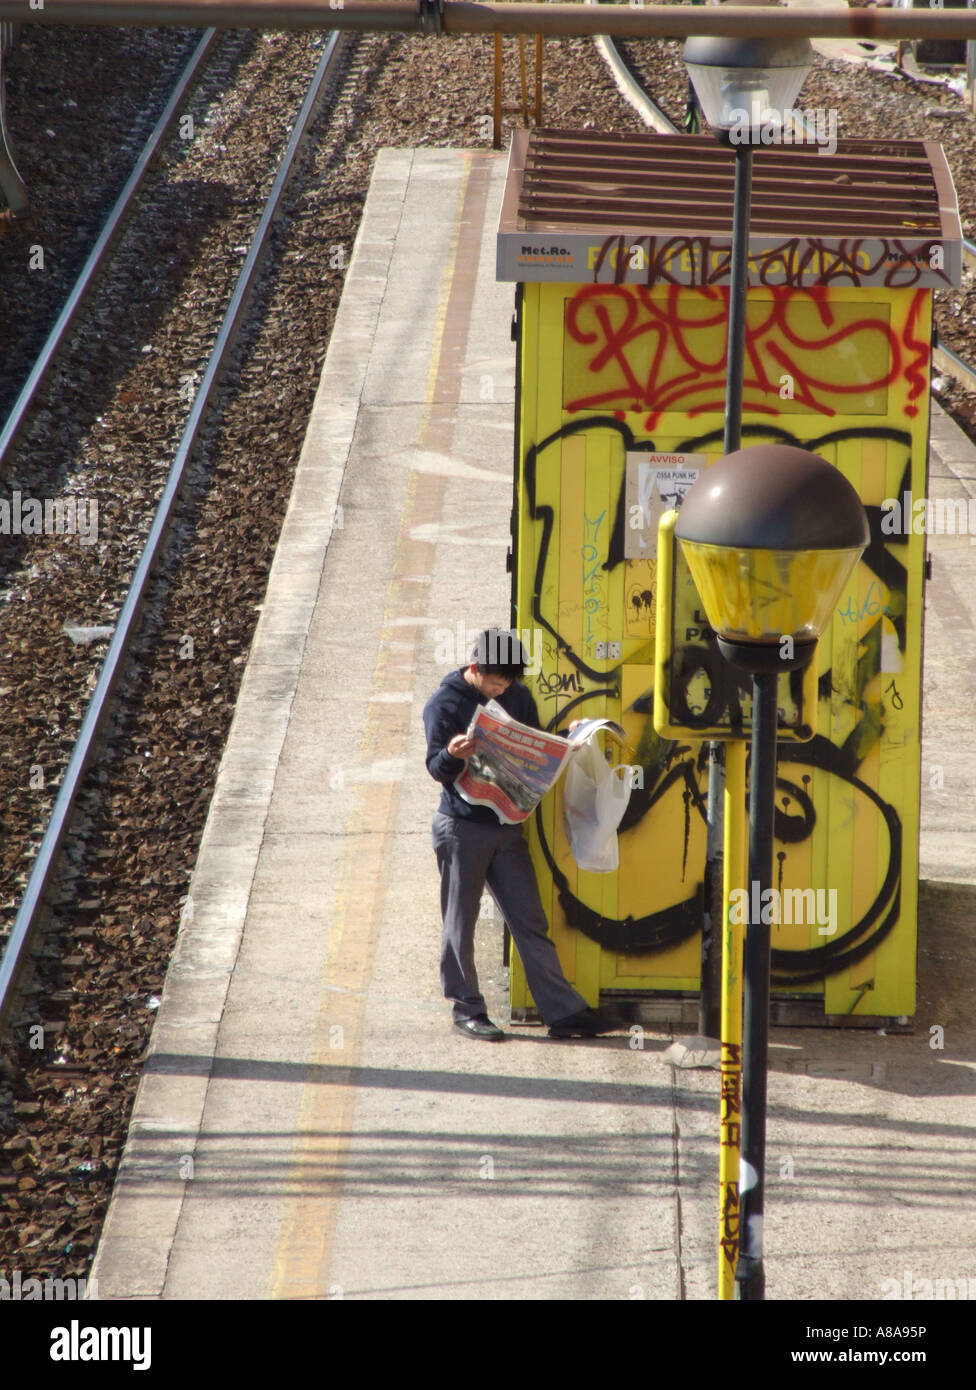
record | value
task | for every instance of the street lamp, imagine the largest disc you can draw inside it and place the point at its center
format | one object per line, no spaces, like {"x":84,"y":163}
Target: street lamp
{"x":740,"y":85}
{"x":743,"y":85}
{"x":771,"y":535}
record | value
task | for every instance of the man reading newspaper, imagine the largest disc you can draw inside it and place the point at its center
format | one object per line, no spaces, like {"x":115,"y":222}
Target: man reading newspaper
{"x":475,"y":850}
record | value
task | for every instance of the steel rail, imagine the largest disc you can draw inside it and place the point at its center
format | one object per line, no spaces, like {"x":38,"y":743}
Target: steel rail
{"x":30,"y":911}
{"x":109,"y":233}
{"x":951,"y":364}
{"x":469,"y":17}
{"x":11,"y":184}
{"x":629,"y":87}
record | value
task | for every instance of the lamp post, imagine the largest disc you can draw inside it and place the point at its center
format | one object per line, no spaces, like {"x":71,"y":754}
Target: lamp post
{"x":743,"y":86}
{"x":740,"y":85}
{"x":771,"y":535}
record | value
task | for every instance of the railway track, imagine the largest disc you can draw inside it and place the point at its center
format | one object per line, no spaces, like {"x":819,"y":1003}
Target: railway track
{"x":83,"y":1015}
{"x":143,"y":800}
{"x":627,"y":78}
{"x":118,"y":407}
{"x":23,"y":934}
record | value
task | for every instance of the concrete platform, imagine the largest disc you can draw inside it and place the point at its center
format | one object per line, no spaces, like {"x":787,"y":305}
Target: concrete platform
{"x":309,"y":1126}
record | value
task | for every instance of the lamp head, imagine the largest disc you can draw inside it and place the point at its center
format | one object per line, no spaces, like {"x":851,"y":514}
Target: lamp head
{"x":742,"y":82}
{"x":771,"y":535}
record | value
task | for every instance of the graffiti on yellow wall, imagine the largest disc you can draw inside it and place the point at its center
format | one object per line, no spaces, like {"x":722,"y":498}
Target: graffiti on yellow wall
{"x":633,"y":350}
{"x":643,"y":369}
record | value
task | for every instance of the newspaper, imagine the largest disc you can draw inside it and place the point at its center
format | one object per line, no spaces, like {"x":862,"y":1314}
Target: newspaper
{"x":513,"y":765}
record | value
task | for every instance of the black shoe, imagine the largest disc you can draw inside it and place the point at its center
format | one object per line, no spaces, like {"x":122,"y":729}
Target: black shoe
{"x":480,"y":1027}
{"x":588,"y":1023}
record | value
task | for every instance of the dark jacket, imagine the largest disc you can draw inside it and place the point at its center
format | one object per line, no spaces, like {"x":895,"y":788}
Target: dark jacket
{"x":449,"y":711}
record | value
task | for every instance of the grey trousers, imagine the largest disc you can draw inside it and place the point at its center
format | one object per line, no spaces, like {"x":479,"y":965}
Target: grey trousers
{"x":472,"y":857}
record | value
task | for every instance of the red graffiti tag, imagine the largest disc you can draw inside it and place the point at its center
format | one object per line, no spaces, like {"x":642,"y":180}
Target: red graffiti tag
{"x":630,"y":332}
{"x":797,"y":262}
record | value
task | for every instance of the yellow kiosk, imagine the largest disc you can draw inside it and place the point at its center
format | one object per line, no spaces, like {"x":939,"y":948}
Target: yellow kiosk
{"x":620,"y":248}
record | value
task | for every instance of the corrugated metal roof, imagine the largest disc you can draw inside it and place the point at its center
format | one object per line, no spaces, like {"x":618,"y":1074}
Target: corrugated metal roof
{"x":892,"y":199}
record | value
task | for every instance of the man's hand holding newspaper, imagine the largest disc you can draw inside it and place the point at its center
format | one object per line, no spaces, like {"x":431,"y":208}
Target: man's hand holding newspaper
{"x":511,"y":766}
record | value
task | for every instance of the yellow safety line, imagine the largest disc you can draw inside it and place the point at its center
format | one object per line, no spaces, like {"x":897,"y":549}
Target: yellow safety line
{"x":304,"y":1247}
{"x":443,"y":299}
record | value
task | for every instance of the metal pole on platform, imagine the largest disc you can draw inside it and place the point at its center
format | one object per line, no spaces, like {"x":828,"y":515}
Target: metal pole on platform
{"x":730,"y":1103}
{"x":739,"y":82}
{"x":710,"y":1002}
{"x":750,"y":1276}
{"x":739,"y":282}
{"x":787,"y":524}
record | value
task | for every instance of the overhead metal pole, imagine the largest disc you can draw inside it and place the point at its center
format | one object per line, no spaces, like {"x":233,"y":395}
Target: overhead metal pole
{"x":468,"y":17}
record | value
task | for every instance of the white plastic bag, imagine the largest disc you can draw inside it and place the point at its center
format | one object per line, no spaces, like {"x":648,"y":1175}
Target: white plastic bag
{"x":595,"y":797}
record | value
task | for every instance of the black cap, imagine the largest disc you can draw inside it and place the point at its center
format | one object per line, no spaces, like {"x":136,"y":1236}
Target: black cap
{"x":499,"y":652}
